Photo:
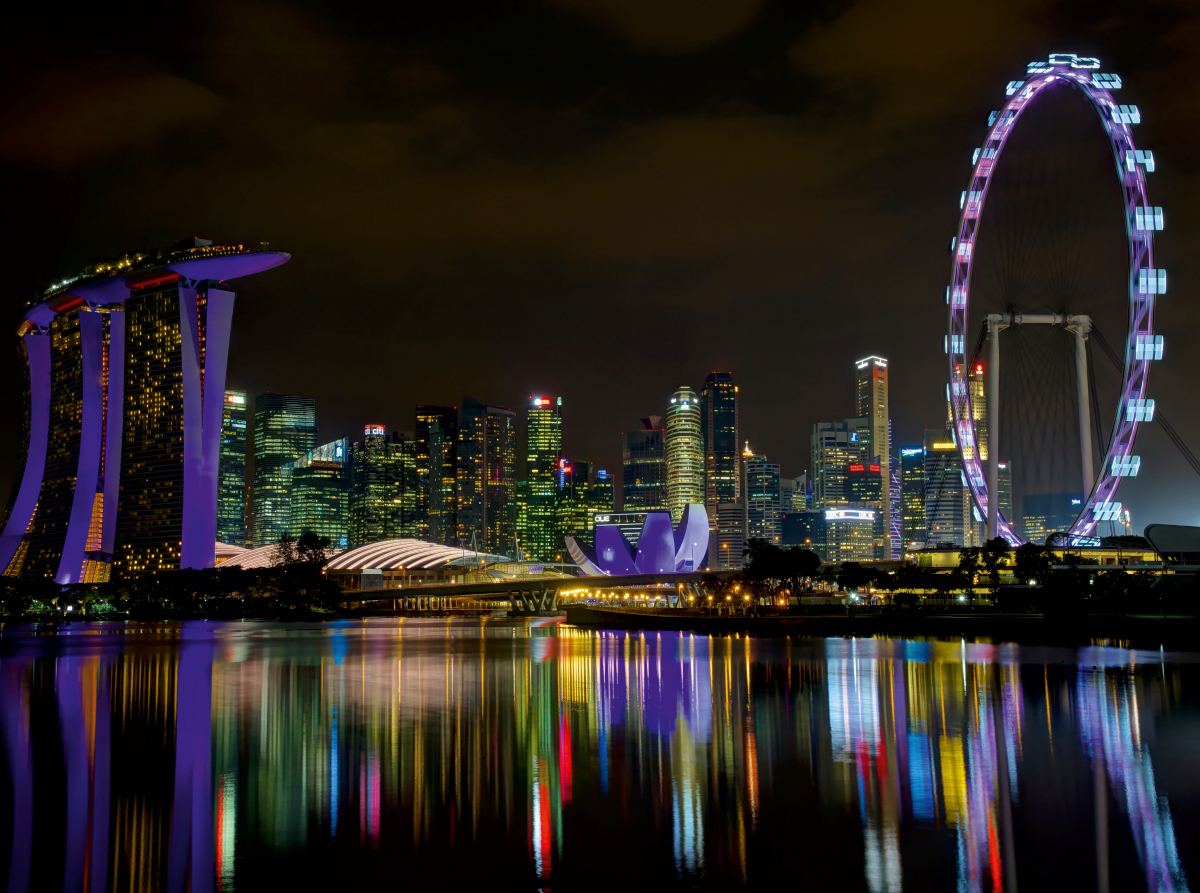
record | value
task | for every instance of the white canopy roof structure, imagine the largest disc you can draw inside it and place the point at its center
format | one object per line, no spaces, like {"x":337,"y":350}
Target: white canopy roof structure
{"x":411,"y":554}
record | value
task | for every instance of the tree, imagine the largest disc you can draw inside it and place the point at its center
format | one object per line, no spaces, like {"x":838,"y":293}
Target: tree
{"x":285,"y":551}
{"x":312,"y":549}
{"x":995,"y":553}
{"x":1032,"y":563}
{"x":797,"y":567}
{"x":854,"y":576}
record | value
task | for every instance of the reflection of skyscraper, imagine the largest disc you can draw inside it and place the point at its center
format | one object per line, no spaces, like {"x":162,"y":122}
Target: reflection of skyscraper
{"x":436,"y":456}
{"x":487,"y":482}
{"x":871,"y":401}
{"x":319,"y":496}
{"x":285,"y":428}
{"x":231,"y":486}
{"x":644,"y":468}
{"x":719,"y":421}
{"x":125,"y":381}
{"x":543,"y":450}
{"x":684,"y":441}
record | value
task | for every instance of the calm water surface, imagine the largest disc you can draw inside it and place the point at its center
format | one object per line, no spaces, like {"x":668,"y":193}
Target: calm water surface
{"x":502,"y":754}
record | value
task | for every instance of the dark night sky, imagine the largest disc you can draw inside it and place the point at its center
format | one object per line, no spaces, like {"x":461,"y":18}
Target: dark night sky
{"x":602,"y":199}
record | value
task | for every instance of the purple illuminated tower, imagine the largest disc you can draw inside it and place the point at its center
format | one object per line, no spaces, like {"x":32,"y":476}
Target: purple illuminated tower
{"x":125,"y":381}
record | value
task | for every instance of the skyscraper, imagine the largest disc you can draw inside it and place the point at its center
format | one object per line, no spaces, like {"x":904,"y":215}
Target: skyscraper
{"x":644,"y":468}
{"x":761,"y":500}
{"x":384,"y":486}
{"x":437,"y":463}
{"x":912,"y":496}
{"x":836,"y":445}
{"x":125,"y":379}
{"x":231,"y":483}
{"x":543,"y":452}
{"x":684,"y":442}
{"x":719,"y":421}
{"x":285,"y":428}
{"x":320,"y":493}
{"x":871,"y":401}
{"x":602,"y":491}
{"x":574,"y":508}
{"x":866,"y":489}
{"x":487,"y":482}
{"x":946,"y":505}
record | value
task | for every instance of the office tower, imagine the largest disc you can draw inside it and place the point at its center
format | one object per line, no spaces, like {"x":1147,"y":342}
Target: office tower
{"x":871,"y":401}
{"x":231,"y":474}
{"x":522,"y":517}
{"x":731,"y":537}
{"x":946,"y":504}
{"x":124,"y":384}
{"x":573,"y":508}
{"x":684,"y":441}
{"x":1004,"y":479}
{"x":436,"y":432}
{"x":895,"y":489}
{"x":761,"y":498}
{"x":912,"y":496}
{"x":543,"y":450}
{"x":1045,"y":513}
{"x":804,"y":530}
{"x":835,"y":445}
{"x":487,"y":498}
{"x":602,"y":491}
{"x":384,"y":487}
{"x":849,"y":535}
{"x":285,"y":428}
{"x":319,"y":500}
{"x":644,"y":468}
{"x":719,"y":423}
{"x":865,"y":486}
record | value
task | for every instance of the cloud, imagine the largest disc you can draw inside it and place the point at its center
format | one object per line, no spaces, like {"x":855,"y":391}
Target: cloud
{"x":70,"y":118}
{"x":665,"y":26}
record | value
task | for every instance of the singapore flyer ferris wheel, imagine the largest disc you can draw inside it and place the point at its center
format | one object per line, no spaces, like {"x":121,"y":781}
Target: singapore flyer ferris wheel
{"x":1145,"y":283}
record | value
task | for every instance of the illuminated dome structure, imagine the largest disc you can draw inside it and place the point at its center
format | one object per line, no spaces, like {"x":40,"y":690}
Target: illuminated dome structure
{"x":660,"y":549}
{"x":406,"y":562}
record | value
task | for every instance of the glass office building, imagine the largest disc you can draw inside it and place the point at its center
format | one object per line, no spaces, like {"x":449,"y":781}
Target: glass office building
{"x":644,"y":468}
{"x":285,"y":428}
{"x":231,"y":475}
{"x":719,"y":421}
{"x":684,"y":442}
{"x":487,"y":480}
{"x":436,"y":452}
{"x":543,"y":454}
{"x":320,"y":493}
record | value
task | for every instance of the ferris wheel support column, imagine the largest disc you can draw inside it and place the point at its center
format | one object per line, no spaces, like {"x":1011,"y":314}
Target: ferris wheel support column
{"x":1081,"y":326}
{"x":996,"y":323}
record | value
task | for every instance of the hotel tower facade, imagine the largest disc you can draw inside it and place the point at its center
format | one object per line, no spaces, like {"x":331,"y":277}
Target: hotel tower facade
{"x":124,"y":397}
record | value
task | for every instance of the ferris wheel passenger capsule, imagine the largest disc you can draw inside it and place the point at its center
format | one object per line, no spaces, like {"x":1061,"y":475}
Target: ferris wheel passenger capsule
{"x":1139,"y":410}
{"x":1126,"y":114}
{"x":1107,"y":81}
{"x":1152,"y":282}
{"x":1148,"y":218}
{"x":992,"y":116}
{"x":1126,"y":466}
{"x":1139,"y":156}
{"x":1013,"y":87}
{"x":1148,"y":347}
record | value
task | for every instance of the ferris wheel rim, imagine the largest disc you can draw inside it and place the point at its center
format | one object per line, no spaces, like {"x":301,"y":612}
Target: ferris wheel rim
{"x":1132,"y":165}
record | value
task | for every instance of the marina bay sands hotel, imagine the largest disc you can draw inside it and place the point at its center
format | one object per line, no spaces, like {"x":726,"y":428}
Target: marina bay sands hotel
{"x":125,"y":379}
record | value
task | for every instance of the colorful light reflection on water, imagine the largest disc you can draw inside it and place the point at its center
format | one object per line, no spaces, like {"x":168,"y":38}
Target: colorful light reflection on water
{"x":531,"y":755}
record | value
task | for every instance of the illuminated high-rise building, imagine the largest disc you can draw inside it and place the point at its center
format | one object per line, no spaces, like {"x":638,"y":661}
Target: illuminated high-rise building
{"x":865,"y":487}
{"x":947,"y":500}
{"x":644,"y":468}
{"x":684,"y":442}
{"x":435,"y":451}
{"x":836,"y":445}
{"x":384,"y":487}
{"x":574,"y":509}
{"x":762,"y":496}
{"x":912,"y":496}
{"x":719,"y":421}
{"x":124,"y":386}
{"x":487,"y":480}
{"x":602,"y":491}
{"x":231,"y":476}
{"x":319,"y":497}
{"x":285,"y":428}
{"x":871,"y":402}
{"x":543,"y":452}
